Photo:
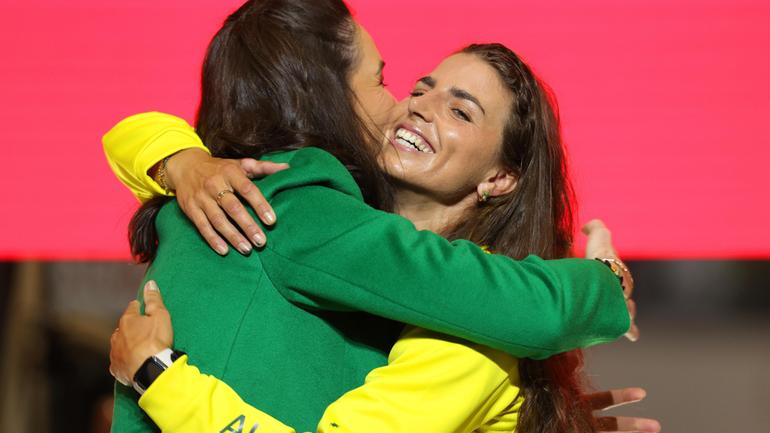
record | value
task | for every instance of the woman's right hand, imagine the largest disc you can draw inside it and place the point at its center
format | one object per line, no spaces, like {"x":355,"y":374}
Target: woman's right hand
{"x":206,"y":189}
{"x":139,"y":336}
{"x":604,"y":400}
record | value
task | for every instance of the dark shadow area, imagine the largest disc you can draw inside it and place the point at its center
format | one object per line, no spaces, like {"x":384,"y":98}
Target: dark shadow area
{"x":701,"y":289}
{"x":704,"y":331}
{"x":6,"y":274}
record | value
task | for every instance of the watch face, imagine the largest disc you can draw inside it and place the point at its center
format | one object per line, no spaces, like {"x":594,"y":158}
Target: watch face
{"x":148,"y":372}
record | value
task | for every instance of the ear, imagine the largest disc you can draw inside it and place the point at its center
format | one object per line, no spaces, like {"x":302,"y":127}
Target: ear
{"x":500,"y":183}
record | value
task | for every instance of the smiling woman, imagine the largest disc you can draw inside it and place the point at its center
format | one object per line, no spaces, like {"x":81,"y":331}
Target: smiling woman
{"x":444,"y":154}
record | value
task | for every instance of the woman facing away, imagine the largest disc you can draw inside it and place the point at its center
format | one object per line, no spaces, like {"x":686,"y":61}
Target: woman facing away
{"x":316,"y":185}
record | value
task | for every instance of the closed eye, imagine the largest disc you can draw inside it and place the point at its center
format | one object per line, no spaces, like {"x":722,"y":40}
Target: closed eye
{"x":461,"y":114}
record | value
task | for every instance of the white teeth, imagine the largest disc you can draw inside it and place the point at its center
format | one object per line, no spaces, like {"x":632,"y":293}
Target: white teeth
{"x":404,"y":142}
{"x":408,"y":138}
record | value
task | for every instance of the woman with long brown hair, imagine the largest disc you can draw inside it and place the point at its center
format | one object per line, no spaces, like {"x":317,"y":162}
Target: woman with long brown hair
{"x":494,"y":179}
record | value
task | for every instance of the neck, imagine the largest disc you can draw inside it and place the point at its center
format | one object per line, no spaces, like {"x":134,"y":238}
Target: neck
{"x":426,"y":213}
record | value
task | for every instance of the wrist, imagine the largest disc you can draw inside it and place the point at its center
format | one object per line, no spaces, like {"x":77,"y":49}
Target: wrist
{"x":618,"y":268}
{"x":176,"y":164}
{"x":601,"y":254}
{"x":139,"y":354}
{"x":154,"y":366}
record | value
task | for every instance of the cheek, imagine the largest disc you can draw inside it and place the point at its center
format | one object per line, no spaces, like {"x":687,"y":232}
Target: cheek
{"x":377,"y":103}
{"x":385,"y":104}
{"x":472,"y":153}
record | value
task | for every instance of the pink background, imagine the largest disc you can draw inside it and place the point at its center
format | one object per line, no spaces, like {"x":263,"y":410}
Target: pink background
{"x":664,"y":107}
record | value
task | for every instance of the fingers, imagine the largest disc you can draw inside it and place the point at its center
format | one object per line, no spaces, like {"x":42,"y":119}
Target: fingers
{"x":615,"y":397}
{"x":601,"y":400}
{"x":153,"y":301}
{"x":607,"y":424}
{"x":629,"y":395}
{"x":251,"y":193}
{"x":255,"y":169}
{"x":198,"y":217}
{"x":246,"y":189}
{"x":209,"y":196}
{"x":222,"y":225}
{"x":592,"y":225}
{"x":622,"y":424}
{"x":121,"y":380}
{"x":631,"y":305}
{"x":618,"y":397}
{"x":114,"y":370}
{"x":599,"y":242}
{"x":633,"y":333}
{"x":238,"y":213}
{"x":132,"y":309}
{"x":221,"y":194}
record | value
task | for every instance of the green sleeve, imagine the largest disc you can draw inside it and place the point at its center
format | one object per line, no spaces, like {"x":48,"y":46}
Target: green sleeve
{"x":329,"y":250}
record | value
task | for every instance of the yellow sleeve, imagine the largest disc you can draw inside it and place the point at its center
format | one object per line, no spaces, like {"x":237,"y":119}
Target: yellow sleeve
{"x":432,"y":384}
{"x":183,"y":400}
{"x":139,"y":142}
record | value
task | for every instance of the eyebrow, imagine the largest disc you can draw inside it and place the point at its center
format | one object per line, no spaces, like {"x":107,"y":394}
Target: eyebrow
{"x":428,"y":81}
{"x":462,"y":94}
{"x":456,"y":93}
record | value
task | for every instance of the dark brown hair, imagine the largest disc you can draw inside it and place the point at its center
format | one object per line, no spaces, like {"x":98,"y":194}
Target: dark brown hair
{"x":276,"y":78}
{"x":536,"y":218}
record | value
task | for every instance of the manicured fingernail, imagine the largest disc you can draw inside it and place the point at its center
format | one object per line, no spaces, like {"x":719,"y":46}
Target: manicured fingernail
{"x":269,"y":217}
{"x":152,"y":286}
{"x":220,"y":248}
{"x":259,"y":239}
{"x":244,"y":248}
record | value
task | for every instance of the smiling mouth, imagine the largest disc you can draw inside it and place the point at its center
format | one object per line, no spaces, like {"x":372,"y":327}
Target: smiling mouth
{"x":412,"y":140}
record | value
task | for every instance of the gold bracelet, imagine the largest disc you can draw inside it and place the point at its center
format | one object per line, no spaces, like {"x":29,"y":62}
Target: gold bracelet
{"x":616,"y":266}
{"x":161,"y":175}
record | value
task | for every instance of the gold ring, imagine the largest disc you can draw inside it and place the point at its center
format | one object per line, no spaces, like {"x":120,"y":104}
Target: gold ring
{"x":222,"y":193}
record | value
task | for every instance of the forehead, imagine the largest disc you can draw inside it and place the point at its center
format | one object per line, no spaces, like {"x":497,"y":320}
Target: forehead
{"x":470,"y":73}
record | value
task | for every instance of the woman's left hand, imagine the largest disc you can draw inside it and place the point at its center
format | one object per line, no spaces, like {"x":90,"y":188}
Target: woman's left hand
{"x":139,"y":336}
{"x":599,"y":245}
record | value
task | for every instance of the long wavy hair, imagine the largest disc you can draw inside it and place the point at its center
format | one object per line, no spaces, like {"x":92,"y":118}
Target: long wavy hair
{"x":276,"y":77}
{"x":536,"y":218}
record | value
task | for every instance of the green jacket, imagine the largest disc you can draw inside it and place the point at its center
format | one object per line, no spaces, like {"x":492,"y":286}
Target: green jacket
{"x":295,"y":325}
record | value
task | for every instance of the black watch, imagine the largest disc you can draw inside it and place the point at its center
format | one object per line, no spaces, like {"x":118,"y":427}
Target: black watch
{"x":153,"y":367}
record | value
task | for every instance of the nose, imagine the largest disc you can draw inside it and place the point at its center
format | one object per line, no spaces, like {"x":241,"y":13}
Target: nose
{"x":421,"y":107}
